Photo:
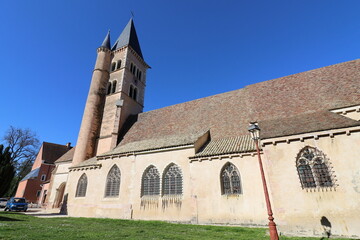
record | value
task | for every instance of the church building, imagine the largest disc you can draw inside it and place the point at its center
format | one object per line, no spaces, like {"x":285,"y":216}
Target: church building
{"x":195,"y":162}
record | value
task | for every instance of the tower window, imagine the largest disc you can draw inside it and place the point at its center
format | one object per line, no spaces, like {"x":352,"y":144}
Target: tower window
{"x":113,"y":66}
{"x":313,"y":169}
{"x":135,"y":94}
{"x":131,"y":91}
{"x":114,"y":83}
{"x":131,"y":67}
{"x":108,"y":88}
{"x":118,"y":64}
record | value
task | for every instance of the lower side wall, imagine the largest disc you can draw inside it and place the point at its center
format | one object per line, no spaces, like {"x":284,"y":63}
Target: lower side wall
{"x":296,"y":211}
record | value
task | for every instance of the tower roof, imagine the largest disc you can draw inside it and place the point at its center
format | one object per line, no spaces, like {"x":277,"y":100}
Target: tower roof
{"x":106,"y":42}
{"x":128,"y":37}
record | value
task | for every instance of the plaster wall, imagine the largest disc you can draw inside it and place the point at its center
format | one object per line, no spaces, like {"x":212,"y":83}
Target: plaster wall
{"x":247,"y":208}
{"x":60,"y":175}
{"x":298,"y":210}
{"x":130,"y":204}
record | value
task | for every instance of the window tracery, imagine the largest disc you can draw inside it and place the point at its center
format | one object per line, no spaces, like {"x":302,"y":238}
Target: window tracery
{"x":150,"y":182}
{"x":113,"y":182}
{"x":172,"y":181}
{"x":314,"y":169}
{"x":230,"y":180}
{"x":81,"y":186}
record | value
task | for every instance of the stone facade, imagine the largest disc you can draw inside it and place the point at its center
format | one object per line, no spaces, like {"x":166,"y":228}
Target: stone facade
{"x":203,"y":139}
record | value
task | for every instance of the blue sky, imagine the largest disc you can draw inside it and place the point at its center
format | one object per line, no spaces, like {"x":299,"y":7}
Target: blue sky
{"x":196,"y":49}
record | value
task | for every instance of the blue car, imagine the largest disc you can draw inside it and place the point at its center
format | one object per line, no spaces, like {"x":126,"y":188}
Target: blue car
{"x":16,"y":204}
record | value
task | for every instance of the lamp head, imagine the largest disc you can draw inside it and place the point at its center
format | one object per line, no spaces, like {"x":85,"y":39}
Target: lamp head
{"x":254,"y":130}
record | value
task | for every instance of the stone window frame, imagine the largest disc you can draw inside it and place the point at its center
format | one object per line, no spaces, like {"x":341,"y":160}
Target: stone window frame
{"x":233,"y":186}
{"x":135,"y":71}
{"x":118,"y":64}
{"x":172,"y":185}
{"x":133,"y":92}
{"x":113,"y":181}
{"x":150,"y":182}
{"x":81,"y":186}
{"x":113,"y":86}
{"x":113,"y":66}
{"x":314,"y":169}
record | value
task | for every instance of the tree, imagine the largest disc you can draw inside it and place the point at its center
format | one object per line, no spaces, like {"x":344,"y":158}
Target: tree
{"x":23,"y":145}
{"x":7,"y":170}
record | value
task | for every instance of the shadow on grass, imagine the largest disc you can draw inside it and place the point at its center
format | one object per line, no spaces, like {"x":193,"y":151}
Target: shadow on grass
{"x":7,"y":219}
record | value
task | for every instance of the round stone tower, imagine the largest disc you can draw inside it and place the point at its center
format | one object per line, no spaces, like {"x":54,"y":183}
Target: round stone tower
{"x":91,"y":121}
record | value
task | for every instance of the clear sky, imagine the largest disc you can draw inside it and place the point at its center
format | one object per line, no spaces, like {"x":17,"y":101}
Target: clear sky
{"x":196,"y":48}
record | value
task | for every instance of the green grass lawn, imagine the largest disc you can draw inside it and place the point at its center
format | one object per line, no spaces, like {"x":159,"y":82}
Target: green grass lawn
{"x":20,"y":226}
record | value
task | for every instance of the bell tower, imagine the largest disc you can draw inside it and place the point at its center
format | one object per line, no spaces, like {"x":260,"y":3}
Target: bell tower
{"x":125,"y":88}
{"x":116,"y":92}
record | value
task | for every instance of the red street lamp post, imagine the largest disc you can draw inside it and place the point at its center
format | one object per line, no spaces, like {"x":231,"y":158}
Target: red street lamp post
{"x":255,"y":135}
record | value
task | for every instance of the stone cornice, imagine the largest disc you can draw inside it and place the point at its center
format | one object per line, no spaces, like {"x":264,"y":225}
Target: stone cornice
{"x":314,"y":135}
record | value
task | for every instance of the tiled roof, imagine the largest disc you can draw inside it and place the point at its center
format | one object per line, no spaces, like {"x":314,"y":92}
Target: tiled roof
{"x":52,"y":151}
{"x":305,"y":123}
{"x":238,"y":144}
{"x":227,"y":115}
{"x":156,"y":143}
{"x":128,"y":37}
{"x":68,"y":156}
{"x":89,"y":162}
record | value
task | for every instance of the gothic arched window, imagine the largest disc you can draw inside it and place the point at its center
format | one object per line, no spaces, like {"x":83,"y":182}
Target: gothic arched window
{"x":230,"y":180}
{"x":150,"y":184}
{"x":172,"y":180}
{"x":313,"y":169}
{"x":113,"y":182}
{"x":81,"y":186}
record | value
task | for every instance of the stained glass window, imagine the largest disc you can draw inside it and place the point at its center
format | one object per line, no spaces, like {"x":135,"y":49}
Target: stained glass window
{"x":230,"y":180}
{"x":81,"y":186}
{"x":150,"y":182}
{"x":313,"y":168}
{"x":113,"y":182}
{"x":172,"y":180}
